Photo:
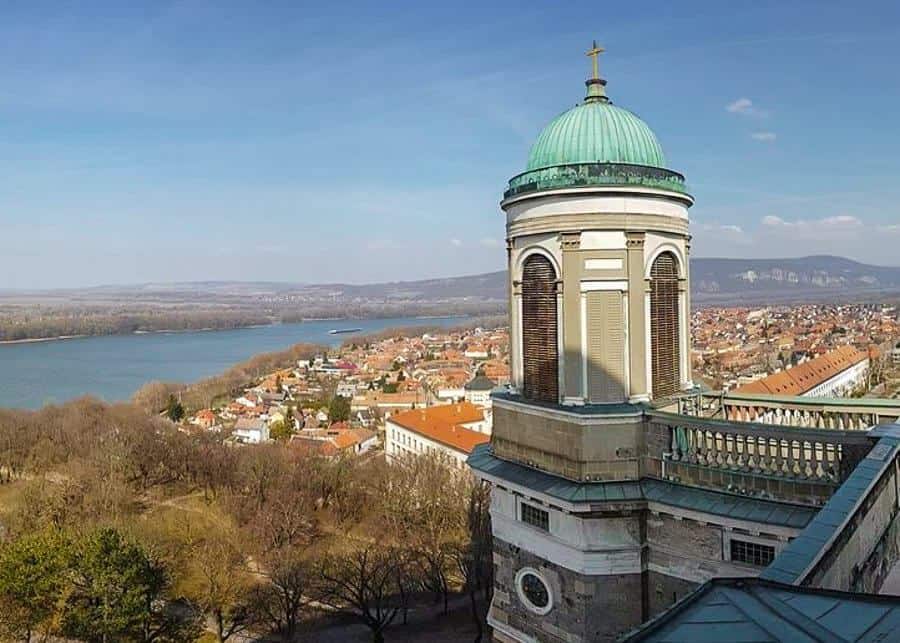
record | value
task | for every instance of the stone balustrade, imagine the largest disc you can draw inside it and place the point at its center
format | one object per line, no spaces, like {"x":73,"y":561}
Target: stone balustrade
{"x":842,"y":414}
{"x":792,"y":464}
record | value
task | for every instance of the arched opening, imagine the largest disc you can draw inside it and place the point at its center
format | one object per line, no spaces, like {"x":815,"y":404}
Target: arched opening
{"x":664,"y":333}
{"x":540,"y":356}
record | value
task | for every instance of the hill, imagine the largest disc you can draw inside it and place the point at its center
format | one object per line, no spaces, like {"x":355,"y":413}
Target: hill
{"x":784,"y":280}
{"x":713,"y":280}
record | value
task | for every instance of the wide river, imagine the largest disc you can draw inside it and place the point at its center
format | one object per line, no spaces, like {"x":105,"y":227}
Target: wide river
{"x":113,"y":367}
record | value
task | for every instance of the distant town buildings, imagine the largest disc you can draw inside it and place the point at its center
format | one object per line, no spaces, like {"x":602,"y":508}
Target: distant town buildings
{"x":837,"y":373}
{"x":733,"y":347}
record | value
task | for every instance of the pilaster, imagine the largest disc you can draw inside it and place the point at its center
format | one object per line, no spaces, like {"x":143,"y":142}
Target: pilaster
{"x":572,"y":389}
{"x":637,"y":349}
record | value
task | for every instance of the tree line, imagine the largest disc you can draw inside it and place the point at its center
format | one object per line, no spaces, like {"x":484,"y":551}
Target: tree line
{"x":115,"y":518}
{"x":40,"y":322}
{"x":67,"y":322}
{"x":154,"y":396}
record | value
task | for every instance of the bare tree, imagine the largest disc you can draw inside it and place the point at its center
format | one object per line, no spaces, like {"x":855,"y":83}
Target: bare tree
{"x":364,"y":583}
{"x":424,"y":501}
{"x":223,"y":586}
{"x":281,"y":601}
{"x":474,"y":558}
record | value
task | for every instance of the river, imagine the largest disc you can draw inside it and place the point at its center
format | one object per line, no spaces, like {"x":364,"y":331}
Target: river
{"x":115,"y":366}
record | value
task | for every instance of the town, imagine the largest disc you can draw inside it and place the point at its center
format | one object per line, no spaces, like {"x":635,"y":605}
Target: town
{"x":409,"y":394}
{"x":406,"y":394}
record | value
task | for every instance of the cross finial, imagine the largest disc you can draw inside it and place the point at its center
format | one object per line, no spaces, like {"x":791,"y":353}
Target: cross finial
{"x":595,"y":54}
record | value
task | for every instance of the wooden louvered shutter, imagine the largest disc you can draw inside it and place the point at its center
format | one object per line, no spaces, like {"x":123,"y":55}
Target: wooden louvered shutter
{"x":540,"y":358}
{"x":605,"y":347}
{"x":664,"y":344}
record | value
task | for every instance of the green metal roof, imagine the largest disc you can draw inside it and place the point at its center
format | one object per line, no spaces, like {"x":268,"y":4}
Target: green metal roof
{"x":647,"y":489}
{"x":732,"y":610}
{"x":596,"y":132}
{"x":596,"y":143}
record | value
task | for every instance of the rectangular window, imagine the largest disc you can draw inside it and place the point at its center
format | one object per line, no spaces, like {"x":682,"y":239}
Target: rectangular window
{"x":535,"y":517}
{"x":751,"y":553}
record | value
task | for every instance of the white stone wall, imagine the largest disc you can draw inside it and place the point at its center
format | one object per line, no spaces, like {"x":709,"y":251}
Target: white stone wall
{"x":843,"y":383}
{"x":401,"y":442}
{"x":680,"y":543}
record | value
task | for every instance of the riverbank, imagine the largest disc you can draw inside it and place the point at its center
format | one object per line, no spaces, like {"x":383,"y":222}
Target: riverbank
{"x":35,"y":340}
{"x":209,"y":329}
{"x":113,"y":367}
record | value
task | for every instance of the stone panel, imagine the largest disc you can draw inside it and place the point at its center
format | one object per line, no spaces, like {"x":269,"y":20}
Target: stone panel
{"x":685,"y":537}
{"x":586,"y":608}
{"x":599,"y":449}
{"x":664,"y":590}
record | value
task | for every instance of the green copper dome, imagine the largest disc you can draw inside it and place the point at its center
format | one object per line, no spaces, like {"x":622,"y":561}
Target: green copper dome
{"x":596,"y":132}
{"x":596,"y":144}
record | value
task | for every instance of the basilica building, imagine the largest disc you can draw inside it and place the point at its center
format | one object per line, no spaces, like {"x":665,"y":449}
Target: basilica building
{"x":619,"y":488}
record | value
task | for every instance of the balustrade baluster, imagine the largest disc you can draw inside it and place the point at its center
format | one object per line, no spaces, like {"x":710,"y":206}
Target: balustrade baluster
{"x":799,"y":468}
{"x":675,"y":448}
{"x":837,"y":454}
{"x":781,"y":467}
{"x":819,"y":461}
{"x":692,"y":439}
{"x":729,"y":451}
{"x":719,"y":440}
{"x":742,"y":455}
{"x":791,"y":468}
{"x":770,"y":465}
{"x":753,"y":461}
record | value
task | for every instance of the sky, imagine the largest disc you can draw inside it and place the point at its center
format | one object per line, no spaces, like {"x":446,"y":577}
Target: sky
{"x":371,"y":141}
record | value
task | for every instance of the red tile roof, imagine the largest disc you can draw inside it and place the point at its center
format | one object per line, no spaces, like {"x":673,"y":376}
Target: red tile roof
{"x":443,"y":424}
{"x":806,"y":376}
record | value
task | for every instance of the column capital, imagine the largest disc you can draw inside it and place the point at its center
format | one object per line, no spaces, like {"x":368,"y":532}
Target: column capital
{"x":570,"y":240}
{"x":634,"y":240}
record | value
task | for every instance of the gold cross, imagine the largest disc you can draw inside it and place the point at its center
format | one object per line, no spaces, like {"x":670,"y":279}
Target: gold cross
{"x":595,"y":53}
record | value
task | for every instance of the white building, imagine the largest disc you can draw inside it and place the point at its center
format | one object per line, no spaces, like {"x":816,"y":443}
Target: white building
{"x":451,"y":429}
{"x":250,"y":431}
{"x":478,"y":391}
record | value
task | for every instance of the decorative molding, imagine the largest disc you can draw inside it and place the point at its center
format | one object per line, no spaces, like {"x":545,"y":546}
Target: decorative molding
{"x":570,"y":240}
{"x":634,"y":241}
{"x":603,"y":264}
{"x":579,"y":418}
{"x":594,"y":285}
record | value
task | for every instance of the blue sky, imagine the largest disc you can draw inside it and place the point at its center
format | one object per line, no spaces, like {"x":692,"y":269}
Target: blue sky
{"x":350,"y":141}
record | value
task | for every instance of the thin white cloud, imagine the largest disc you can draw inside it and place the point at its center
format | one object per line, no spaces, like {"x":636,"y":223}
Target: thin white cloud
{"x":745,"y":107}
{"x":839,"y":221}
{"x":719,"y":227}
{"x":740,"y":106}
{"x":765,"y":137}
{"x":455,"y":242}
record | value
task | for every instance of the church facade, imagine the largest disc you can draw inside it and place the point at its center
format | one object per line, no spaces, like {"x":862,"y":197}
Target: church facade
{"x":608,"y":505}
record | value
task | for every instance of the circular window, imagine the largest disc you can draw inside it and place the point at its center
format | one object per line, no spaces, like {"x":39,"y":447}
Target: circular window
{"x":533,"y":591}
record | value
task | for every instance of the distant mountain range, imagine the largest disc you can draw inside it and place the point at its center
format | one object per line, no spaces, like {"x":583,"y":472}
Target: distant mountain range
{"x":714,"y":281}
{"x":818,"y":277}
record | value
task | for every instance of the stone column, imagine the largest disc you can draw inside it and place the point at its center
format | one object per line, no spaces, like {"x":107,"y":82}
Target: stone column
{"x":572,"y":389}
{"x":515,"y":319}
{"x":637,"y":315}
{"x":687,"y":376}
{"x":683,"y":332}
